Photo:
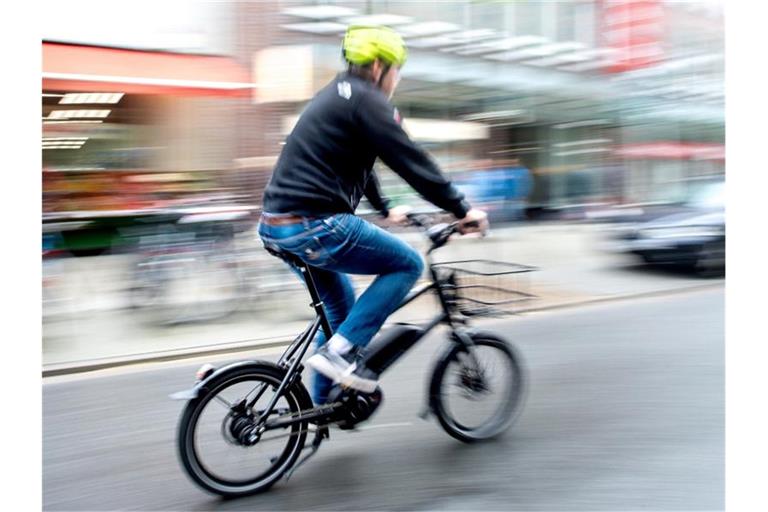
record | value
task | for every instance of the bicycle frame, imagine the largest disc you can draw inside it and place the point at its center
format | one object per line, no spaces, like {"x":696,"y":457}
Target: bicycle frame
{"x":245,"y":422}
{"x":291,"y":358}
{"x":321,"y":320}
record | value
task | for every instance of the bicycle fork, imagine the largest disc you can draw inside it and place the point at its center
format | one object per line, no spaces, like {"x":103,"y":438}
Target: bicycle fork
{"x":461,"y":337}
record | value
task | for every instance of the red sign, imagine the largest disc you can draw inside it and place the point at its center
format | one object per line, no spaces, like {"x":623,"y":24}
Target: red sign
{"x":672,"y":151}
{"x":633,"y":31}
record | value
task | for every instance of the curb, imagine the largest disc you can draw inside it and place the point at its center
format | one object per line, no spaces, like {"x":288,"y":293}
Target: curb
{"x":55,"y":370}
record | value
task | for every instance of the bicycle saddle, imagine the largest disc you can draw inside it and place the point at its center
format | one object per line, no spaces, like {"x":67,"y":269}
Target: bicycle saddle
{"x":276,"y":251}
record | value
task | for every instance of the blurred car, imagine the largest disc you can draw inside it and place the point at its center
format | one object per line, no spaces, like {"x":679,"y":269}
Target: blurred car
{"x":693,"y":237}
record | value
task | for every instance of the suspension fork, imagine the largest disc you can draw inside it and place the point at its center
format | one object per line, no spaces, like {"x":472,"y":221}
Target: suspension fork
{"x":463,"y":338}
{"x":459,"y":333}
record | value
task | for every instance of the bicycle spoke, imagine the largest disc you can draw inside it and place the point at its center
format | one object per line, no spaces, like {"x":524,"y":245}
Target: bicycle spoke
{"x":478,"y":394}
{"x":224,"y":443}
{"x":262,"y":388}
{"x":221,"y":400}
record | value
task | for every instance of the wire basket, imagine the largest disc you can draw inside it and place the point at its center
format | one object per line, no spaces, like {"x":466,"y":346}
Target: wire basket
{"x":485,"y":287}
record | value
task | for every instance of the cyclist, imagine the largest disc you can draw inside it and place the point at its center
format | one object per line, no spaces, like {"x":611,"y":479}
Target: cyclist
{"x":325,"y":167}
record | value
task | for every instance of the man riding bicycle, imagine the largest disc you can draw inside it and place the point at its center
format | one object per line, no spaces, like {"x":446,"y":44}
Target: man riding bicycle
{"x":325,"y":168}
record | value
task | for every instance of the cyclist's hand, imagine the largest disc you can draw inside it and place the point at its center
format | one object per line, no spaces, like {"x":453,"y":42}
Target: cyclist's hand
{"x":476,"y":221}
{"x":398,"y":215}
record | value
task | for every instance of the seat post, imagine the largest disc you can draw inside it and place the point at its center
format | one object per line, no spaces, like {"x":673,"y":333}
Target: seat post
{"x":317,"y":303}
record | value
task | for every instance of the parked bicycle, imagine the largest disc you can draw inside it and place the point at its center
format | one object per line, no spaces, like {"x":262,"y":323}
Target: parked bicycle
{"x":201,"y":265}
{"x":262,"y":411}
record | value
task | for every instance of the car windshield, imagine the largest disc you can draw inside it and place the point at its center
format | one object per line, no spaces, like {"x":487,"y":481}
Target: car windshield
{"x":711,"y":195}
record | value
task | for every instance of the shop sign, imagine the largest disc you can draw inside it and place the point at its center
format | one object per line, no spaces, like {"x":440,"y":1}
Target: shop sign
{"x":671,"y":151}
{"x":633,"y":31}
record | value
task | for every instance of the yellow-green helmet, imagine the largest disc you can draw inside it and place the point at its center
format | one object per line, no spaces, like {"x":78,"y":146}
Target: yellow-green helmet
{"x":364,"y":44}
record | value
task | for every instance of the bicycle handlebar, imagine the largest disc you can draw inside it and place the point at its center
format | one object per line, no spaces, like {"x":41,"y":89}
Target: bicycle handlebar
{"x":437,"y":233}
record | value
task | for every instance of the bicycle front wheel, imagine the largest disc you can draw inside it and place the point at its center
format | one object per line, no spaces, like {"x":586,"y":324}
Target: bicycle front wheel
{"x":478,"y":396}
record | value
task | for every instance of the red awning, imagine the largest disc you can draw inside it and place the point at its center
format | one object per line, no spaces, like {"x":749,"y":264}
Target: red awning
{"x":68,"y":67}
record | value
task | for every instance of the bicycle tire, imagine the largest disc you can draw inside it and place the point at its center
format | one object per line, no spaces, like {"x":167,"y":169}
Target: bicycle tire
{"x":512,"y":404}
{"x":297,"y":398}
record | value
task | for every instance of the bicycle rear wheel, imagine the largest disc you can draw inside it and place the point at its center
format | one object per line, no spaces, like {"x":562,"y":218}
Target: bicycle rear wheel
{"x":212,"y":440}
{"x":478,"y":398}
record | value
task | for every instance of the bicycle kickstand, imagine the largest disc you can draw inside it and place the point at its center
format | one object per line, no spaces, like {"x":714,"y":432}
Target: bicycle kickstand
{"x":320,"y":434}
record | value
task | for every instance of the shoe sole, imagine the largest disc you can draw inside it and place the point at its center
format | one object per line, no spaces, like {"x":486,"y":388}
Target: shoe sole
{"x":358,"y":383}
{"x":328,"y":369}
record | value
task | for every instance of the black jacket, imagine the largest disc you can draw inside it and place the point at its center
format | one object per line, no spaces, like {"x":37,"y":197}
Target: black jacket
{"x":326,"y":163}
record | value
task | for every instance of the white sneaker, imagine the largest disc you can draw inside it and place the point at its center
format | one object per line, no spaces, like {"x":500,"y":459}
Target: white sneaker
{"x":342,"y":369}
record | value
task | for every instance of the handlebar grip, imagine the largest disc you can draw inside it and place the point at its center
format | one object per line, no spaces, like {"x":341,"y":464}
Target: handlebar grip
{"x":473,"y":224}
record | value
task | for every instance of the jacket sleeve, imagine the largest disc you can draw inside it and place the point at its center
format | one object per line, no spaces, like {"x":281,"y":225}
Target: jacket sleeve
{"x":373,"y":193}
{"x":380,"y":122}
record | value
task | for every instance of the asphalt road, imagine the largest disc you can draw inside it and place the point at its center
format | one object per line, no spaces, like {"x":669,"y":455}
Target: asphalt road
{"x":626,"y":411}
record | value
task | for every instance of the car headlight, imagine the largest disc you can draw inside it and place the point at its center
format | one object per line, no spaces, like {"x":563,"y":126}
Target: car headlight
{"x":683,"y":232}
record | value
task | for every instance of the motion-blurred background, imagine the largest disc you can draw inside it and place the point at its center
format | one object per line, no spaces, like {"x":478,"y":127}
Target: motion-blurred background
{"x":591,"y":131}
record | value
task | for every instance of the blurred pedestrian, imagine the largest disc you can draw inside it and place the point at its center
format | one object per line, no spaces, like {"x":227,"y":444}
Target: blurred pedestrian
{"x":519,"y":189}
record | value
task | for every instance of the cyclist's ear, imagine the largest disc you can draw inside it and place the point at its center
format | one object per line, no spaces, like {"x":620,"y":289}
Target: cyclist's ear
{"x":377,"y":70}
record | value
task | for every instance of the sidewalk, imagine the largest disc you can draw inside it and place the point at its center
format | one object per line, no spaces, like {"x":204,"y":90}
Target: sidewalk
{"x":96,"y":330}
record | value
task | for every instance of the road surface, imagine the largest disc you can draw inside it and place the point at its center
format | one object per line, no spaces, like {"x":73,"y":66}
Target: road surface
{"x":625,"y":412}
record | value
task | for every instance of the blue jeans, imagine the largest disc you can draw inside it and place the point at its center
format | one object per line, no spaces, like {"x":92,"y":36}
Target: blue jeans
{"x":345,"y":244}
